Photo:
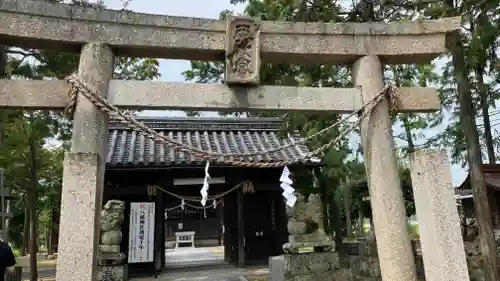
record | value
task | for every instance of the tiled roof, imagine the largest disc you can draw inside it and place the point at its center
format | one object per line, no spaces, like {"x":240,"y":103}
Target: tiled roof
{"x":129,"y":148}
{"x":491,"y":177}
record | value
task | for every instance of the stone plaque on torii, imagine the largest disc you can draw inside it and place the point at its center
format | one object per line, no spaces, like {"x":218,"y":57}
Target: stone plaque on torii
{"x":100,"y":34}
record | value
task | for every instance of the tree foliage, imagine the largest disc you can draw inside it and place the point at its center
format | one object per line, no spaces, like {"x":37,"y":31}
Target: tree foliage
{"x":411,"y":131}
{"x":343,"y":159}
{"x":27,"y":136}
{"x":34,"y":143}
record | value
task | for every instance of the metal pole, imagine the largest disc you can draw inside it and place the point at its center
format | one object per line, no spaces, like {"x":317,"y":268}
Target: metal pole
{"x":8,"y":218}
{"x":2,"y":198}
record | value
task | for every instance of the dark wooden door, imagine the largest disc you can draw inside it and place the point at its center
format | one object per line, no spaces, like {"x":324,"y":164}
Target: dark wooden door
{"x":260,"y":227}
{"x":230,"y":229}
{"x":279,"y":223}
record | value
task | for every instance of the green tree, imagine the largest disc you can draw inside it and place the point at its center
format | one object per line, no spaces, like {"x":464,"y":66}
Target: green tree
{"x":33,"y":168}
{"x":465,"y":93}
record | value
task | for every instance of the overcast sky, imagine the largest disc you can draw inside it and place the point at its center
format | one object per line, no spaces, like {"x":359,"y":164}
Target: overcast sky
{"x":171,"y":70}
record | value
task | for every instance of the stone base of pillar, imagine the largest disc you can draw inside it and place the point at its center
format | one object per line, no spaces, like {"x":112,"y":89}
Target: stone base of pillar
{"x":112,"y":273}
{"x":112,"y":267}
{"x":307,"y":267}
{"x":109,"y":248}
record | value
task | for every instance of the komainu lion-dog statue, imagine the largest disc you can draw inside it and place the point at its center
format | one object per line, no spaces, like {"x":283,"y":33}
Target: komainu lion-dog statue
{"x":111,"y":231}
{"x":306,"y":226}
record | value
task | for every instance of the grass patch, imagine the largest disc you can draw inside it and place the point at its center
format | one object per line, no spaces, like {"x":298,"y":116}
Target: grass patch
{"x":257,"y":278}
{"x":41,"y":263}
{"x":16,"y":252}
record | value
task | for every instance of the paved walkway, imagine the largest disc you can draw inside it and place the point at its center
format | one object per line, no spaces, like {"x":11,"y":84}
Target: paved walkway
{"x":191,"y":264}
{"x":221,"y":274}
{"x":194,"y":257}
{"x":46,"y":267}
{"x":43,"y":274}
{"x":202,"y":264}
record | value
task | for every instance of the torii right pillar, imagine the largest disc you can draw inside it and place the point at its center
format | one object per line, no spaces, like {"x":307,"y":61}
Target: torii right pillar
{"x":394,"y":248}
{"x":411,"y":42}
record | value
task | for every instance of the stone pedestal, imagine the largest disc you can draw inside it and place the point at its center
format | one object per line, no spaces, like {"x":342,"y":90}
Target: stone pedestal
{"x":111,"y":262}
{"x":109,"y":248}
{"x":112,"y":267}
{"x":307,"y":267}
{"x":320,"y":242}
{"x":112,"y":273}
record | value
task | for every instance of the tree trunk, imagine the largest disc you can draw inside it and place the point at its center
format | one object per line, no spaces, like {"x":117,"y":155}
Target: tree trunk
{"x":32,"y":199}
{"x":337,"y":227}
{"x":360,"y":221}
{"x":347,"y":207}
{"x":406,"y":126}
{"x":490,"y":148}
{"x":483,"y":216}
{"x":333,"y":211}
{"x":323,"y":190}
{"x":483,"y":93}
{"x":3,"y":61}
{"x":50,"y":250}
{"x":33,"y":231}
{"x":7,"y":221}
{"x":3,"y":75}
{"x":26,"y":230}
{"x":483,"y":96}
{"x":411,"y":144}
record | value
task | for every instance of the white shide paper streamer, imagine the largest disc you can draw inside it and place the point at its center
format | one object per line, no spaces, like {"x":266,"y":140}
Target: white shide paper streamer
{"x":204,"y":189}
{"x":288,"y":190}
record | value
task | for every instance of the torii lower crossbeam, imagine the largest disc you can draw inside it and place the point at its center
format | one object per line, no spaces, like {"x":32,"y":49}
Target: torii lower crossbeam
{"x":153,"y":95}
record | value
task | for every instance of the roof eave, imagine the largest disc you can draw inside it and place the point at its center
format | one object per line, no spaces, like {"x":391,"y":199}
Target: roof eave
{"x":198,"y":165}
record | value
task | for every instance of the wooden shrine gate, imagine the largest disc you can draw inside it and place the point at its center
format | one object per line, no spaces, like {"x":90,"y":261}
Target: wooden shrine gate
{"x":100,"y":34}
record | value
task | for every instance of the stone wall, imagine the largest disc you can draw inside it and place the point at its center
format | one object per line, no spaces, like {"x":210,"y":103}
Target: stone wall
{"x":360,"y":264}
{"x":363,"y":261}
{"x":473,"y":251}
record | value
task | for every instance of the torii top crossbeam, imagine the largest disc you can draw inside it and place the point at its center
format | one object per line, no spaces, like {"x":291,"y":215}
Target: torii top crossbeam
{"x":54,"y":26}
{"x":36,"y":24}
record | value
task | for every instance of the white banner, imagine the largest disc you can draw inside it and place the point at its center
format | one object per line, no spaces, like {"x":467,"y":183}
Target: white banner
{"x":141,"y":233}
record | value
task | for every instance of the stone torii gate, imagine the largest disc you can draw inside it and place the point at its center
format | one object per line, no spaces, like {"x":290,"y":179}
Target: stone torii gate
{"x":100,"y":34}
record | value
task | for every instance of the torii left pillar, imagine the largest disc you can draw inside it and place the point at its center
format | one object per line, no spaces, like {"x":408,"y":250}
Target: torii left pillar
{"x":83,"y":176}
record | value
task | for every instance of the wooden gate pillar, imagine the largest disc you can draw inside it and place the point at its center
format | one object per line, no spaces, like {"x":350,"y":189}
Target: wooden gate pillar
{"x":397,"y":262}
{"x":83,"y":176}
{"x":241,"y":227}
